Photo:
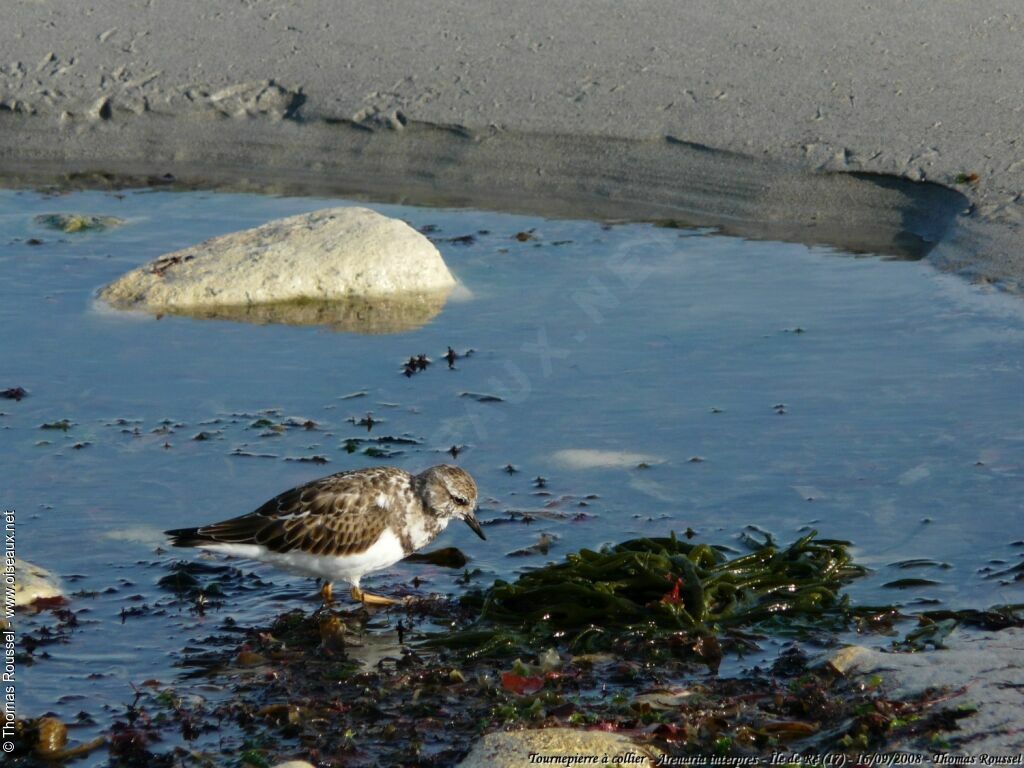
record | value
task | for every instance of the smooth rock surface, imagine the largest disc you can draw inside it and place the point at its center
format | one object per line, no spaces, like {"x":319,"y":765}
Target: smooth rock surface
{"x":351,"y":268}
{"x":983,"y":670}
{"x":513,"y":749}
{"x":32,"y":583}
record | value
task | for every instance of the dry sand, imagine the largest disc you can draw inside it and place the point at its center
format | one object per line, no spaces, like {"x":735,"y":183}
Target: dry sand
{"x":708,"y":111}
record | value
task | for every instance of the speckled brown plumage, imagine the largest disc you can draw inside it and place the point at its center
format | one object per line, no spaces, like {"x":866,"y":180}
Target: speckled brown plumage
{"x":347,"y":513}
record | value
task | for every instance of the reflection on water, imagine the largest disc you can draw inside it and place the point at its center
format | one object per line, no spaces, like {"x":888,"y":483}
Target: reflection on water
{"x":360,"y":314}
{"x":624,"y":381}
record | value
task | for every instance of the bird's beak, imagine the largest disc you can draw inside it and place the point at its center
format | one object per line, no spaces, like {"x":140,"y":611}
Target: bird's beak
{"x":473,"y":523}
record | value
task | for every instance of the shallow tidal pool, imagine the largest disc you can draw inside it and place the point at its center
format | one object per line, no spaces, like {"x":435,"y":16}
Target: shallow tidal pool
{"x":625,"y":381}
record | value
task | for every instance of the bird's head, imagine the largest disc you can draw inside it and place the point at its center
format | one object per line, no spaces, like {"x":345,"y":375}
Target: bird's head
{"x":449,"y":492}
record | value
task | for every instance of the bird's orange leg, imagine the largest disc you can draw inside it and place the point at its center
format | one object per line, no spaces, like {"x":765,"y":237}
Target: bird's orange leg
{"x":367,"y":599}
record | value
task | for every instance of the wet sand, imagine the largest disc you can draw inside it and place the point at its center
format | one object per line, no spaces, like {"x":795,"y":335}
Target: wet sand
{"x":712,"y":113}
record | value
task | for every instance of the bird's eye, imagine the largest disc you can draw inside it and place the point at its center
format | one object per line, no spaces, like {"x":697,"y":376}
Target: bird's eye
{"x":460,"y":501}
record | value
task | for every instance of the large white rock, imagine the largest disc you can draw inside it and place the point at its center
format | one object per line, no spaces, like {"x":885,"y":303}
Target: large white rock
{"x":513,"y":749}
{"x":32,"y":583}
{"x":979,"y":669}
{"x":348,"y":267}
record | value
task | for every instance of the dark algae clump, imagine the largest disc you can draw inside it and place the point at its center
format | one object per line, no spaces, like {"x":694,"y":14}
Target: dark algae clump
{"x":657,"y":587}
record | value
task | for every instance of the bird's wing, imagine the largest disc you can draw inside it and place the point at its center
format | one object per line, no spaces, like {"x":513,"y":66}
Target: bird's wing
{"x":336,"y":515}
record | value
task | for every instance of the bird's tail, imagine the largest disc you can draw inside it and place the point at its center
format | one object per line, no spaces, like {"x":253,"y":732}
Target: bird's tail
{"x":187,"y":537}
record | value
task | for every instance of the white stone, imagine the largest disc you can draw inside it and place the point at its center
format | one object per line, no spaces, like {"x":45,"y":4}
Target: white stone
{"x":513,"y":749}
{"x":978,"y":669}
{"x":339,"y":266}
{"x":32,"y":583}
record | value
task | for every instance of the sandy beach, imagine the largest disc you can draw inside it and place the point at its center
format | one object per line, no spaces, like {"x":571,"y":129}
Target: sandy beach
{"x":769,"y":121}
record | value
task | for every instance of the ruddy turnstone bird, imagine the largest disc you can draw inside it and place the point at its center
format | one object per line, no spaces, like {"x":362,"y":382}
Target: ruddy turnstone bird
{"x":343,"y":526}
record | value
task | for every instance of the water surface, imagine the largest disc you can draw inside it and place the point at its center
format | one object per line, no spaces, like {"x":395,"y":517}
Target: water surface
{"x":656,"y":379}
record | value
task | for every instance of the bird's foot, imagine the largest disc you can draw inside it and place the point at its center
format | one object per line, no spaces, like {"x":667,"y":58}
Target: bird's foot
{"x":369,"y":599}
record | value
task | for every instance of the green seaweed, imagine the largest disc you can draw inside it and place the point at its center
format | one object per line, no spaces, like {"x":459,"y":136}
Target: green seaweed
{"x":652,"y":587}
{"x":74,"y":222}
{"x":933,"y":633}
{"x":909,"y":583}
{"x":445,"y":557}
{"x":993,"y":619}
{"x":63,"y":425}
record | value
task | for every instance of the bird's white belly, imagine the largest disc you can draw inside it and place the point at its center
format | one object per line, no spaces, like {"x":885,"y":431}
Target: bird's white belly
{"x":387,"y":550}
